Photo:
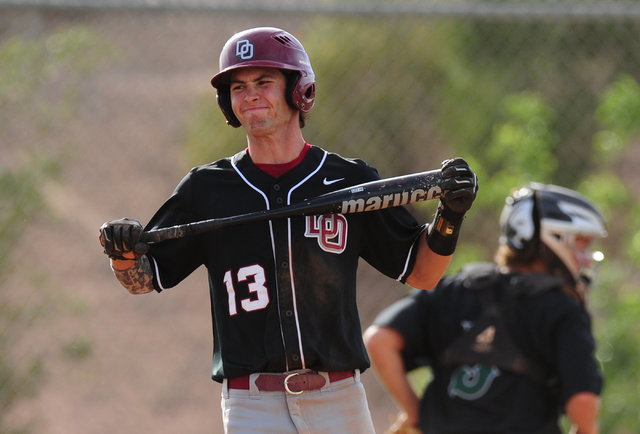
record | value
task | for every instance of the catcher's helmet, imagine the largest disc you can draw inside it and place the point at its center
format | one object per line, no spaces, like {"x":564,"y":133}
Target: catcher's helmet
{"x":552,"y":216}
{"x":266,"y":47}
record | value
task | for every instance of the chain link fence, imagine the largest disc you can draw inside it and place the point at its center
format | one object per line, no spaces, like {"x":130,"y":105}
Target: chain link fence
{"x":105,"y":105}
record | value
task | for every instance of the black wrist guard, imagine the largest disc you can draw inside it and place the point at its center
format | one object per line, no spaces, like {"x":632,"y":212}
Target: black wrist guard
{"x":442,"y":233}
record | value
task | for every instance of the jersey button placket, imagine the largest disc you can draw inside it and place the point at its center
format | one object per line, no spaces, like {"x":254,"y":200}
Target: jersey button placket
{"x":283,"y":274}
{"x":276,"y":195}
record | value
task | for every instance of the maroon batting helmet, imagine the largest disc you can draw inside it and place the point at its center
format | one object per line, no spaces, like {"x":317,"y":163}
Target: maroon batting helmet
{"x":266,"y":47}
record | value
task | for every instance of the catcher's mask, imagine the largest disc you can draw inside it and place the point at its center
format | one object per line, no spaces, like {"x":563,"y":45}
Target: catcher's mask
{"x":562,"y":220}
{"x":266,"y":47}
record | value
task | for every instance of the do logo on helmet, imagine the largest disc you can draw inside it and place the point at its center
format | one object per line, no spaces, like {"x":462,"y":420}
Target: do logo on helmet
{"x":244,"y":49}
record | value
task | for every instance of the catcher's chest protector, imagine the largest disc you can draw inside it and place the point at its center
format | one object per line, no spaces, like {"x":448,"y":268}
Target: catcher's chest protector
{"x":487,"y":341}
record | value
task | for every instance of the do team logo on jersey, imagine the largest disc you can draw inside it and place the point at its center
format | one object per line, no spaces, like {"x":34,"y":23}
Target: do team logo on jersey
{"x":330,"y":231}
{"x":244,"y":49}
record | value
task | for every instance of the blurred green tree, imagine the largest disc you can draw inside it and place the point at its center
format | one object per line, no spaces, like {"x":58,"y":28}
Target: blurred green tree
{"x":616,"y":299}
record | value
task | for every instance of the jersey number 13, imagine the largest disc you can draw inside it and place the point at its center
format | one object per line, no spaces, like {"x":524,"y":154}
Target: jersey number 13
{"x":255,"y":276}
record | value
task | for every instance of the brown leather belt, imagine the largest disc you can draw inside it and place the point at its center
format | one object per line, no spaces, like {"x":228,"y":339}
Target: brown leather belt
{"x":293,"y":383}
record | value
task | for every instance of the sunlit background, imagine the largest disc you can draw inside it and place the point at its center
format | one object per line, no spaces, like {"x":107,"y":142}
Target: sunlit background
{"x":105,"y":105}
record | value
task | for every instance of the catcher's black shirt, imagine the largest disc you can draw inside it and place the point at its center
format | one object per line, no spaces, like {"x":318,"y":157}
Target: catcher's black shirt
{"x":283,"y":292}
{"x":550,"y":329}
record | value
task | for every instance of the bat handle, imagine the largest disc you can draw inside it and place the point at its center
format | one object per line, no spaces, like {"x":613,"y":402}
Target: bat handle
{"x":179,"y":231}
{"x":157,"y":235}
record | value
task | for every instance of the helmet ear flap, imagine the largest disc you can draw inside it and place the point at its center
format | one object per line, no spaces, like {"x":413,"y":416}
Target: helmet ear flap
{"x":307,"y":97}
{"x":300,"y":94}
{"x":520,"y":224}
{"x":530,"y":250}
{"x":224,"y":102}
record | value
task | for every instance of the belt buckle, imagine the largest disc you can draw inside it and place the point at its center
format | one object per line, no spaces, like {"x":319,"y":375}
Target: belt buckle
{"x":286,"y":384}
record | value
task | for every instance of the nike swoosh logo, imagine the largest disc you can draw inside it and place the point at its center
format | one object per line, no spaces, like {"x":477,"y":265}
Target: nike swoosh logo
{"x":332,"y":181}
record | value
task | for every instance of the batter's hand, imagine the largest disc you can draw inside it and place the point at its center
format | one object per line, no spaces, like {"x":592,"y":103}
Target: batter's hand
{"x":460,"y":186}
{"x":119,"y":237}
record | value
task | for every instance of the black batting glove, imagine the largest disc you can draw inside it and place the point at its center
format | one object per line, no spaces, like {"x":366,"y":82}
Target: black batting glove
{"x":122,"y":236}
{"x":460,"y":188}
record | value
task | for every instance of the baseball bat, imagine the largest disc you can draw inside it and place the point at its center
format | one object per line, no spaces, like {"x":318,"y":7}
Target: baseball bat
{"x":369,"y":196}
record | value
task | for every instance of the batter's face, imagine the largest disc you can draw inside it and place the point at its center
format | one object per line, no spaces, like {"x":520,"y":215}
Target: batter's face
{"x":258,"y":100}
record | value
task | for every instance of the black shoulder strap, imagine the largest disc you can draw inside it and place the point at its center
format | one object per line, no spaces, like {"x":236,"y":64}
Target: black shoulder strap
{"x":532,"y":284}
{"x":480,"y":275}
{"x":488,"y":341}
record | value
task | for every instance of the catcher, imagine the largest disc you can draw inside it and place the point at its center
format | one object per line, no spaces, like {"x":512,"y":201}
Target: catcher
{"x":509,"y":343}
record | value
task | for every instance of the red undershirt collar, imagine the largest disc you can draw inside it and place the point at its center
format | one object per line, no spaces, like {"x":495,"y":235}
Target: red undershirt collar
{"x":277,"y":170}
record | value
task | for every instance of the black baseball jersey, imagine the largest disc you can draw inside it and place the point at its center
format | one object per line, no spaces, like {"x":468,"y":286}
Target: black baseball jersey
{"x":550,"y":329}
{"x":283,"y":292}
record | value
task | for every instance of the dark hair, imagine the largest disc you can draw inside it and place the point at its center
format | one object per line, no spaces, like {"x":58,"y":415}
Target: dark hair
{"x":303,"y":119}
{"x":507,"y":256}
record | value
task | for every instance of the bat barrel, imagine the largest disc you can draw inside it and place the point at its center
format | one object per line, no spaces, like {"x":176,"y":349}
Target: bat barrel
{"x":390,"y":192}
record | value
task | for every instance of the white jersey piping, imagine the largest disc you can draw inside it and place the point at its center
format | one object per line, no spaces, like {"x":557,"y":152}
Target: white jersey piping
{"x":406,"y":262}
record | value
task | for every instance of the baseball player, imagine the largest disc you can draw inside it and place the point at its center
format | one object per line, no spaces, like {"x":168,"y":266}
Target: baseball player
{"x":509,"y":343}
{"x":288,"y":346}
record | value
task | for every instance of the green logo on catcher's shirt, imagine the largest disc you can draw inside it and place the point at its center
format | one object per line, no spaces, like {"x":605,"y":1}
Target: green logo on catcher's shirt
{"x":472,"y":382}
